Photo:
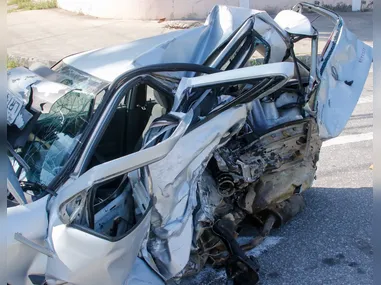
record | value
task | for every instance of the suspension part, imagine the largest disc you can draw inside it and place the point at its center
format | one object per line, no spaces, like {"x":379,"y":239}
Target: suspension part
{"x":225,"y":184}
{"x":276,"y":216}
{"x":240,"y":269}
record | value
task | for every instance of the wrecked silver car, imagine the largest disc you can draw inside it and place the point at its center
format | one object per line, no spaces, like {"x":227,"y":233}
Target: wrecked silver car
{"x":139,"y":163}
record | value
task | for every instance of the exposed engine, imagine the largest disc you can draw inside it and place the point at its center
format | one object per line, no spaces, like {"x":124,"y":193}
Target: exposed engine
{"x":256,"y":174}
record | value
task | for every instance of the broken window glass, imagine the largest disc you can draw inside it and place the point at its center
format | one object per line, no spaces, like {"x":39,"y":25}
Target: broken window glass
{"x":55,"y":136}
{"x":75,"y":78}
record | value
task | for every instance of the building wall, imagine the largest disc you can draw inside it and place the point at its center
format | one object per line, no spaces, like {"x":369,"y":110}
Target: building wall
{"x":170,"y":9}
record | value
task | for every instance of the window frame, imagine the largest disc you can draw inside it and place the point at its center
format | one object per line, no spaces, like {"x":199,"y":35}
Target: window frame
{"x":76,"y":165}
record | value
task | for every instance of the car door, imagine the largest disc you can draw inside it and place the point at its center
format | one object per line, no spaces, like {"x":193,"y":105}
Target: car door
{"x":343,"y":70}
{"x":100,"y":246}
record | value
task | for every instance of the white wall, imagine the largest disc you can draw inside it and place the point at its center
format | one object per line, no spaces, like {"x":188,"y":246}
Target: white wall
{"x":170,"y":9}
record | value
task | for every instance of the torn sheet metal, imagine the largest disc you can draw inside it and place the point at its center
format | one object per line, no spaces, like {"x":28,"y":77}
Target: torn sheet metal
{"x":24,"y":83}
{"x":343,"y":71}
{"x":176,"y":178}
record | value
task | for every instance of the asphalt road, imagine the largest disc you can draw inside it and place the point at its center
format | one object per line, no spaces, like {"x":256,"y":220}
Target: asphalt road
{"x":330,"y":242}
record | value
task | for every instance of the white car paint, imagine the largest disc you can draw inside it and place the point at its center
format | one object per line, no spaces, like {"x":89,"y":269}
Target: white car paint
{"x":30,"y":220}
{"x":343,"y":73}
{"x":294,"y":23}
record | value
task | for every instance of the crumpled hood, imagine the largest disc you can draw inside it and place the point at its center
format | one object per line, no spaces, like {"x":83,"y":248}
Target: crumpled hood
{"x":33,"y":92}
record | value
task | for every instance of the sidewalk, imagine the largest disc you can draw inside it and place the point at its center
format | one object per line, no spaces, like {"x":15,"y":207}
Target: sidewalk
{"x":49,"y":35}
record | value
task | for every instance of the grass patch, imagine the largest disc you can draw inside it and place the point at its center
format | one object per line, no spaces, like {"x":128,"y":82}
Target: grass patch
{"x":338,"y":7}
{"x":12,"y":10}
{"x":177,"y":25}
{"x":342,"y":7}
{"x":31,"y":5}
{"x":12,"y":63}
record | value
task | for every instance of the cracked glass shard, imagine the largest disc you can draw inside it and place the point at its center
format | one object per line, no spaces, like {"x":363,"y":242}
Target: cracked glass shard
{"x":73,"y":77}
{"x":55,"y":135}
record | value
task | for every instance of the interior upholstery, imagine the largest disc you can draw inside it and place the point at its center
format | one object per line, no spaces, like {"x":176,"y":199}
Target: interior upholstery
{"x":128,"y":125}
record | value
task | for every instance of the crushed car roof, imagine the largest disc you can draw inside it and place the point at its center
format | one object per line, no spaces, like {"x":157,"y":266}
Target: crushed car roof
{"x":222,"y":22}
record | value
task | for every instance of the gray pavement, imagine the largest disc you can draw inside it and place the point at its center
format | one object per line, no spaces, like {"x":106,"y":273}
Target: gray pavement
{"x":49,"y":35}
{"x":360,"y":24}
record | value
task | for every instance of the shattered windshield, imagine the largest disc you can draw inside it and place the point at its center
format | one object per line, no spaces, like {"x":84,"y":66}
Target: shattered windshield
{"x":55,"y":134}
{"x":75,"y":78}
